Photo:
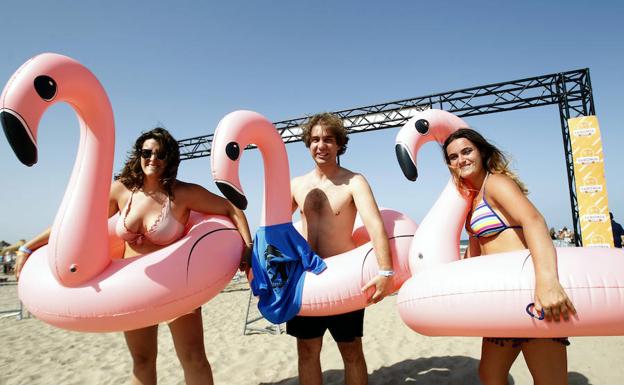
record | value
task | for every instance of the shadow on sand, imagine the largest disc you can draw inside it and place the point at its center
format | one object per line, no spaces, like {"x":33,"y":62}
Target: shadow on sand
{"x":431,"y":370}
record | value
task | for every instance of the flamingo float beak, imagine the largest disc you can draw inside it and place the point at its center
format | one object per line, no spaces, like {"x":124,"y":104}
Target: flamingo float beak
{"x":30,"y":98}
{"x":408,"y":142}
{"x":19,"y":137}
{"x":232,"y":194}
{"x":405,"y":161}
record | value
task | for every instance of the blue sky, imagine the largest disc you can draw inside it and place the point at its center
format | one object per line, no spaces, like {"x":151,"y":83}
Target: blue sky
{"x":186,"y":64}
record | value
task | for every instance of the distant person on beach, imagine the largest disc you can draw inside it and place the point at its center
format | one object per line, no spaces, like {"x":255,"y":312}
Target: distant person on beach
{"x":553,"y":233}
{"x":154,"y":207}
{"x":617,"y":230}
{"x":328,"y":198}
{"x":565,"y":235}
{"x":502,"y":219}
{"x":7,"y":262}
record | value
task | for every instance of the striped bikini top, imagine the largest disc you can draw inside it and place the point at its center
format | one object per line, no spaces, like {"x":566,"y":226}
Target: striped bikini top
{"x":484,"y":222}
{"x":164,"y":231}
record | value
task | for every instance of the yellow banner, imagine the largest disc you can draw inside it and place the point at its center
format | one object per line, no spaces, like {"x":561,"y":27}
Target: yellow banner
{"x":591,"y":188}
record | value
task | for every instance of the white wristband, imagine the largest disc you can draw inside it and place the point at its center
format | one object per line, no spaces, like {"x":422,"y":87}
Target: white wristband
{"x":386,"y":273}
{"x":25,"y":250}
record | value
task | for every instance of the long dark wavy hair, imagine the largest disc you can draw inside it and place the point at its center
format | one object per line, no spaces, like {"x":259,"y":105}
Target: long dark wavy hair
{"x":131,"y":174}
{"x":494,"y":160}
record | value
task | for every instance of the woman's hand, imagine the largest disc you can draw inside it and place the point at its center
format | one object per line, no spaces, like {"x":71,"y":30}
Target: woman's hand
{"x":19,"y":263}
{"x":245,"y":262}
{"x":26,"y":249}
{"x":553,"y":300}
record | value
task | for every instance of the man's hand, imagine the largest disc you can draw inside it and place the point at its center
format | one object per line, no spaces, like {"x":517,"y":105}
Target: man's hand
{"x":383,"y":286}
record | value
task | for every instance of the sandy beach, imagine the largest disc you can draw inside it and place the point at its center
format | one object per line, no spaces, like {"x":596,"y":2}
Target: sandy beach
{"x":32,"y":352}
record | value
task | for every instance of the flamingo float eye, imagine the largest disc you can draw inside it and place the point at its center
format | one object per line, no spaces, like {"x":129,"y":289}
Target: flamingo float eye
{"x":232,"y":150}
{"x":45,"y":87}
{"x":422,"y":126}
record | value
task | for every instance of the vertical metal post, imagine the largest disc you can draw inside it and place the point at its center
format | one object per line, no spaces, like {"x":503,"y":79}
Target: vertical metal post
{"x":564,"y":115}
{"x":588,"y":95}
{"x":247,"y":313}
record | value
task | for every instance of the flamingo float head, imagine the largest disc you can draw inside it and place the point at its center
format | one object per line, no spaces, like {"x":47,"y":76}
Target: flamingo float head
{"x":234,"y":133}
{"x":39,"y":83}
{"x":20,"y":128}
{"x":425,"y":126}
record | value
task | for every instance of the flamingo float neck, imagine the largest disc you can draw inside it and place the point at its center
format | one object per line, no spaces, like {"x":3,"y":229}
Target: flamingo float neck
{"x":436,"y":240}
{"x":78,"y":245}
{"x":236,"y":131}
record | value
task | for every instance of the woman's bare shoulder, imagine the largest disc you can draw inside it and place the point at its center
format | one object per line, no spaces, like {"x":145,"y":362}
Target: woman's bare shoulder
{"x":501,"y":182}
{"x":118,"y":188}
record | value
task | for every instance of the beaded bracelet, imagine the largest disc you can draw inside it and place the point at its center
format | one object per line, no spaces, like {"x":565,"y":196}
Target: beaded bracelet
{"x":25,"y":250}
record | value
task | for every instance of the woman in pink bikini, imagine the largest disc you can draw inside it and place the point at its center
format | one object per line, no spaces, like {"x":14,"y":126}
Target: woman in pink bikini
{"x":154,"y":207}
{"x":503,"y":219}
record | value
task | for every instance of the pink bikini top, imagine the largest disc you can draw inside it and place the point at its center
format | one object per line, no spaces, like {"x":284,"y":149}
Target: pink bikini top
{"x":164,"y":231}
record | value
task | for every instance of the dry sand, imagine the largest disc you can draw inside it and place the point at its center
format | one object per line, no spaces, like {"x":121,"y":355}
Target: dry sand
{"x":32,"y":352}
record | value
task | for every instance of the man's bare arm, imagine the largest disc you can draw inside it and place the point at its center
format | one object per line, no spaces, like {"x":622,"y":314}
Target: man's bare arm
{"x":369,"y":212}
{"x":293,"y":186}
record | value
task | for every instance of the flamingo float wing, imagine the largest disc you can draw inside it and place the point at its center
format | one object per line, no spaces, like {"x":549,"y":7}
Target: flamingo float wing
{"x":141,"y":291}
{"x":338,"y":289}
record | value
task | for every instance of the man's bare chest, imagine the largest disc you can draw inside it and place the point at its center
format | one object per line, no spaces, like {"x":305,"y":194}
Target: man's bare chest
{"x":326,"y":201}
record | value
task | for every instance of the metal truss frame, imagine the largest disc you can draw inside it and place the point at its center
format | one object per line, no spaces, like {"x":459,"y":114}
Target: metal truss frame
{"x":571,"y":91}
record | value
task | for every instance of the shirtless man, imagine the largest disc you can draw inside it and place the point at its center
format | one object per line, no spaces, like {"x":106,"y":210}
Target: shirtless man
{"x":328,"y":198}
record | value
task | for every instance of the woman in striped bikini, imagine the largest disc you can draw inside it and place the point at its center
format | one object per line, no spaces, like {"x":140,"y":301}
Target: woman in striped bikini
{"x":503,"y":219}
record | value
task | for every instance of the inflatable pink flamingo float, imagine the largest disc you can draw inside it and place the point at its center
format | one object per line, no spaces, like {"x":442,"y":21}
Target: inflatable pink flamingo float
{"x":331,"y":289}
{"x":489,"y":295}
{"x":75,"y":282}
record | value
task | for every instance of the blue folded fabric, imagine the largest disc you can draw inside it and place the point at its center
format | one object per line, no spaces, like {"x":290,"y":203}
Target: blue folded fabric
{"x":280,"y":257}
